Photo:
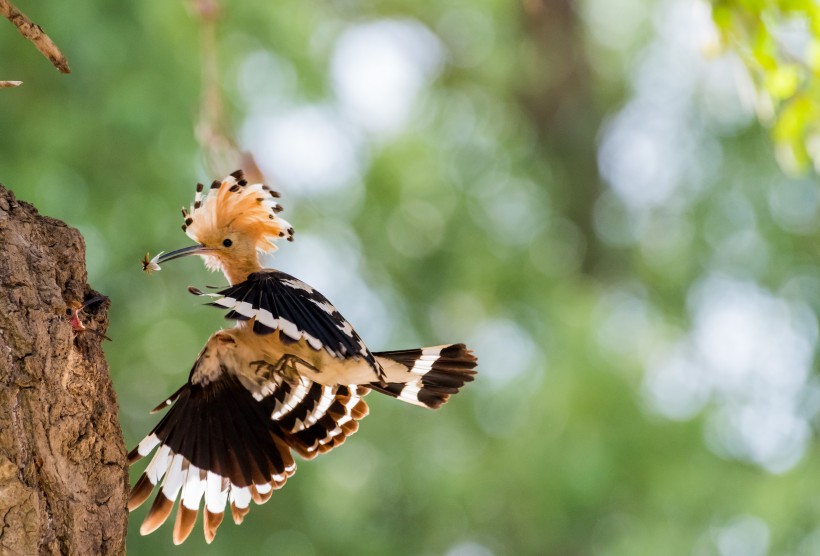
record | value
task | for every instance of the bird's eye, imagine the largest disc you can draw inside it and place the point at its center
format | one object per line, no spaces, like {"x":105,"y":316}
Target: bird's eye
{"x":68,"y":311}
{"x":227,"y":243}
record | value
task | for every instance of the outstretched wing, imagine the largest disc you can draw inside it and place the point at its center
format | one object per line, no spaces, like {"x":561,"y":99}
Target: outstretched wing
{"x":278,"y":301}
{"x":226,"y":440}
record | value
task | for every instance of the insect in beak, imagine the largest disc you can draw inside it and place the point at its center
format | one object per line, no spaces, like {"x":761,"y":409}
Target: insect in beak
{"x":151,"y":265}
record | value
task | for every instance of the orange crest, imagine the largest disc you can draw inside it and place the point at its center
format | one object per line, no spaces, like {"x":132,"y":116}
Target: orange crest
{"x":232,"y":206}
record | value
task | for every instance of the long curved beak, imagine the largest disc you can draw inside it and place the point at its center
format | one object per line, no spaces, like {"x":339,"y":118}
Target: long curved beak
{"x":179,"y":253}
{"x":153,"y":264}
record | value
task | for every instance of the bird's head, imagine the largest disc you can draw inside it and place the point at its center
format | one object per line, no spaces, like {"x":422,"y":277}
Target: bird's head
{"x":231,"y":223}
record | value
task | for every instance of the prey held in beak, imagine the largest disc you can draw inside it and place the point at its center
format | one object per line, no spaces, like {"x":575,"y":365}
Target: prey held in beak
{"x":151,"y":265}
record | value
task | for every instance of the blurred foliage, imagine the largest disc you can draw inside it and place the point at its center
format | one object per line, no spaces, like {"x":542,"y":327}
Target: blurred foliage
{"x":778,"y":40}
{"x":570,"y":184}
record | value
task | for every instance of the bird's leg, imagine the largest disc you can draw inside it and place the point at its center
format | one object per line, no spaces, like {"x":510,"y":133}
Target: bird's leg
{"x":285,"y":366}
{"x":289,"y":362}
{"x":264,"y":370}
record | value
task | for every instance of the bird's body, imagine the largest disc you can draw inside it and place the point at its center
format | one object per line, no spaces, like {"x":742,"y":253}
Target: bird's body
{"x":289,"y":376}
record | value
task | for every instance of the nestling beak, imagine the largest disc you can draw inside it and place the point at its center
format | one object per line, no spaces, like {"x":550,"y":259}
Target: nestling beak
{"x":153,"y":264}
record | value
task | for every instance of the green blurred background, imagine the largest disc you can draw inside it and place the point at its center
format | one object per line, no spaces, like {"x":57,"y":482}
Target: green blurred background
{"x":579,"y":190}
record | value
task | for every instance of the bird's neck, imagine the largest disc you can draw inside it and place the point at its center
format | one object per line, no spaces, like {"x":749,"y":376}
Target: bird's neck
{"x":238,"y":271}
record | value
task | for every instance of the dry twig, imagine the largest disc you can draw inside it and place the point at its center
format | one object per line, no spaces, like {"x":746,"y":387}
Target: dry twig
{"x":10,"y":84}
{"x":219,"y":149}
{"x":35,"y":34}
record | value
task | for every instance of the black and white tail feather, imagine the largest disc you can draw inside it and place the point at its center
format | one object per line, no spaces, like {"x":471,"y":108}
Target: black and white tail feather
{"x":438,"y":372}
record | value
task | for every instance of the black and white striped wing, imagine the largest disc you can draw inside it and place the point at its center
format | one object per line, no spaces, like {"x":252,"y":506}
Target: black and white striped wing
{"x":220,"y":444}
{"x":278,"y":301}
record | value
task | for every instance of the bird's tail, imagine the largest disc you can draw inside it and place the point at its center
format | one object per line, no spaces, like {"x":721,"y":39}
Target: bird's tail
{"x":426,"y":376}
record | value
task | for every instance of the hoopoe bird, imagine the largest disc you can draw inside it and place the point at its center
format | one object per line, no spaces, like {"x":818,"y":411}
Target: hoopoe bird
{"x":289,"y":377}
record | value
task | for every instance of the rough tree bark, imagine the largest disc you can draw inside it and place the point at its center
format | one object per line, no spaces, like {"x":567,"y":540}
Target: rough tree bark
{"x":63,"y":472}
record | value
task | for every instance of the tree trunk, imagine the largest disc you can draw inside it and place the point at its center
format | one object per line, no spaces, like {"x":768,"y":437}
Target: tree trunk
{"x":558,"y":97}
{"x":63,"y":473}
